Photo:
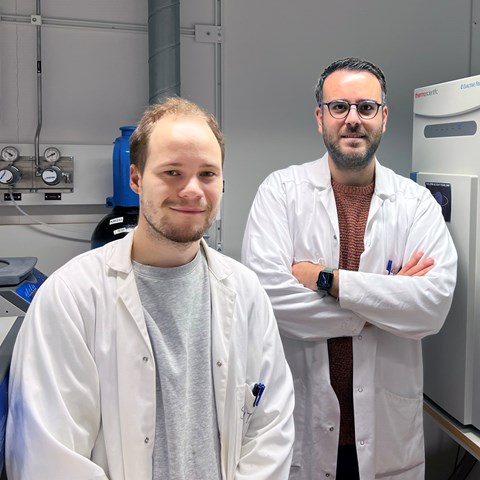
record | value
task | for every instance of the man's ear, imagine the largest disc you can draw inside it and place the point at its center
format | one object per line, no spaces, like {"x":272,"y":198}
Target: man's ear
{"x":318,"y":116}
{"x":135,"y":179}
{"x":385,"y":116}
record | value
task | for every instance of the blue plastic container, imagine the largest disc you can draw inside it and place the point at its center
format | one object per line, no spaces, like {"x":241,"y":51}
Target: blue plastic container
{"x":124,"y":216}
{"x":123,"y":195}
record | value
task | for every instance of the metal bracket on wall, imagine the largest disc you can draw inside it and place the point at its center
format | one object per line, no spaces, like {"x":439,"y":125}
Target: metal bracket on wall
{"x":209,"y":33}
{"x":36,"y":20}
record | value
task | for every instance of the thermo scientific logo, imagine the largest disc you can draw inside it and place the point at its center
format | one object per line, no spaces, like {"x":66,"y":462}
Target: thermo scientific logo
{"x":428,"y":93}
{"x":474,"y":84}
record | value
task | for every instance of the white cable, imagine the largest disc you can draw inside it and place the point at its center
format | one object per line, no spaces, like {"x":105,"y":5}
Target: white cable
{"x":37,"y":221}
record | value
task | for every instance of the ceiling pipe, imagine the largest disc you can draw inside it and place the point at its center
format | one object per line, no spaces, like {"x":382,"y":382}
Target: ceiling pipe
{"x":163,"y":49}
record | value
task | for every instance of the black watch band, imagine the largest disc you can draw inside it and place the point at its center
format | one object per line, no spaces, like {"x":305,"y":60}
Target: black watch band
{"x":325,"y":279}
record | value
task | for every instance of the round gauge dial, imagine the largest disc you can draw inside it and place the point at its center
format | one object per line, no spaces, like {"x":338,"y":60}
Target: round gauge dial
{"x":9,"y":154}
{"x":10,"y":175}
{"x":52,"y":154}
{"x":52,"y":175}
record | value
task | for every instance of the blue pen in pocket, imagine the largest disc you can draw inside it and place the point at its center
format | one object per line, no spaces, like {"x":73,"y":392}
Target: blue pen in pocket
{"x":257,"y":391}
{"x":389,"y":268}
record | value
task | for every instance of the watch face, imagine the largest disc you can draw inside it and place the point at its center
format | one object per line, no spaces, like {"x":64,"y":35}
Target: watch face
{"x":325,"y":279}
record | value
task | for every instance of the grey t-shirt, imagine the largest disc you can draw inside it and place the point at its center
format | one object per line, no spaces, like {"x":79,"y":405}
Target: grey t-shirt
{"x":177,"y":310}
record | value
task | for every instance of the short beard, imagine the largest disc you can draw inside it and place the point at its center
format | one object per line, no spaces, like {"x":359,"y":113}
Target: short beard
{"x":355,"y":161}
{"x":164,"y":231}
{"x":176,"y":236}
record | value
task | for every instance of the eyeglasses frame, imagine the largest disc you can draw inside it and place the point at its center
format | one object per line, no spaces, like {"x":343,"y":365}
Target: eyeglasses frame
{"x":350,"y":105}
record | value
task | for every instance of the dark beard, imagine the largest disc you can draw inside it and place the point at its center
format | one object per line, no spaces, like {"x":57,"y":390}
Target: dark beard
{"x":353,"y":162}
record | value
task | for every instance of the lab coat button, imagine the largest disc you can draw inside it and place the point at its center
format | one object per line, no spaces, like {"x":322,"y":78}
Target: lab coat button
{"x":327,"y":474}
{"x":145,"y":359}
{"x":331,"y":429}
{"x":334,"y":237}
{"x":146,"y":440}
{"x":362,"y":442}
{"x":360,"y":389}
{"x":219,"y":363}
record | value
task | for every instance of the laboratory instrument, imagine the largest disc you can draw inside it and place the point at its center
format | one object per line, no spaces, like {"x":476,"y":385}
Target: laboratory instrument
{"x":446,"y":145}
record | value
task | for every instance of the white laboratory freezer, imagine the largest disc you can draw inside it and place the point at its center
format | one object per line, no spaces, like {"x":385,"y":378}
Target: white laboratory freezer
{"x":446,"y":159}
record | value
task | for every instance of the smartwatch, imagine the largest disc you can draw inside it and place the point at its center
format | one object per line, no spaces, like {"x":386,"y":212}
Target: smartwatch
{"x":325,"y":279}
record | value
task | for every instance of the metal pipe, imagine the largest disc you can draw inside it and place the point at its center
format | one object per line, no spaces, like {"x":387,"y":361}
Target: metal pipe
{"x":75,"y":23}
{"x":39,"y":91}
{"x":163,"y":49}
{"x":94,"y":24}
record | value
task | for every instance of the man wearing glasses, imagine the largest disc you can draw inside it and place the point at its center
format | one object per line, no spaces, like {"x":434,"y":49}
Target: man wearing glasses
{"x":359,"y":266}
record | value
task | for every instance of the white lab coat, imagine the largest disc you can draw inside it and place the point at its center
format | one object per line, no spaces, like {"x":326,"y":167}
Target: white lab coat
{"x":294,"y":218}
{"x":82,"y":385}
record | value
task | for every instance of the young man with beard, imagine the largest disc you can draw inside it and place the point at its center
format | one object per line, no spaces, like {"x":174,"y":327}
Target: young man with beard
{"x":154,"y":357}
{"x":359,"y":266}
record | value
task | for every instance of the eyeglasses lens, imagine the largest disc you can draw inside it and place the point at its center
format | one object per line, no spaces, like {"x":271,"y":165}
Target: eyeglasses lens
{"x":367,"y":109}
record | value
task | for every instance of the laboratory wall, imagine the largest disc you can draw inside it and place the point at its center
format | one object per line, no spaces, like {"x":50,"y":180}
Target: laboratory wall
{"x":258,"y":78}
{"x":93,"y":79}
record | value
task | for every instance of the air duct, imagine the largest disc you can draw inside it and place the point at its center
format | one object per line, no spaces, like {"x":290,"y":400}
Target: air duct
{"x":163,"y":49}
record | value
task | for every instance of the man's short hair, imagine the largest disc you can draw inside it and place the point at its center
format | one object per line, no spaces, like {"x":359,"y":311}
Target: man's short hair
{"x":176,"y":107}
{"x":351,"y":64}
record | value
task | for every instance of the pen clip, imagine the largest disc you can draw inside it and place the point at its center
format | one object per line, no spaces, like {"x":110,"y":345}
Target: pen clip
{"x":257,"y":391}
{"x":389,"y":267}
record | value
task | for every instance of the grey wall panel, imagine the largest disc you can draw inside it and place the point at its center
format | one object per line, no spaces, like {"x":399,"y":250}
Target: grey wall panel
{"x":197,"y":66}
{"x":475,"y":55}
{"x":198,"y":60}
{"x":93,"y":83}
{"x":197,"y":12}
{"x":120,"y":11}
{"x":94,"y":80}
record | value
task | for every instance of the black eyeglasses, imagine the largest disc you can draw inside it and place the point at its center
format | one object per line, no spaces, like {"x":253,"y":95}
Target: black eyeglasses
{"x":366,"y":109}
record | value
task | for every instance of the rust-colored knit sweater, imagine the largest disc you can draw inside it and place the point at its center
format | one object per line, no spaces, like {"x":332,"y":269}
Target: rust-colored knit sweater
{"x":353,"y":204}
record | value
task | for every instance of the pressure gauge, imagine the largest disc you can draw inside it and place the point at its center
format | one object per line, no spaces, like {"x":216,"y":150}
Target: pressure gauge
{"x":52,"y":154}
{"x":10,"y":175}
{"x":52,"y":175}
{"x":9,"y":154}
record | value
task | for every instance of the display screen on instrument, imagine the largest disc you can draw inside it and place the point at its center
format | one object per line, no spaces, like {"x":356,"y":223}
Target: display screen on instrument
{"x":30,"y":285}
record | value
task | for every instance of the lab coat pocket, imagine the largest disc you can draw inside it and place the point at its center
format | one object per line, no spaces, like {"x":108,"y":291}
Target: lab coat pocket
{"x":244,"y":411}
{"x":247,"y":407}
{"x":399,"y":432}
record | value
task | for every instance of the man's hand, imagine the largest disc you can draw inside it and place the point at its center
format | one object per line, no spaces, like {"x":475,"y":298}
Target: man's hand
{"x":307,"y":273}
{"x":416,"y":267}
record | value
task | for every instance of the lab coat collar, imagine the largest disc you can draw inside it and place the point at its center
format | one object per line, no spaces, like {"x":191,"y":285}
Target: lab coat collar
{"x":119,"y":257}
{"x":384,"y":181}
{"x":216,"y":262}
{"x":319,"y":172}
{"x":119,"y":254}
